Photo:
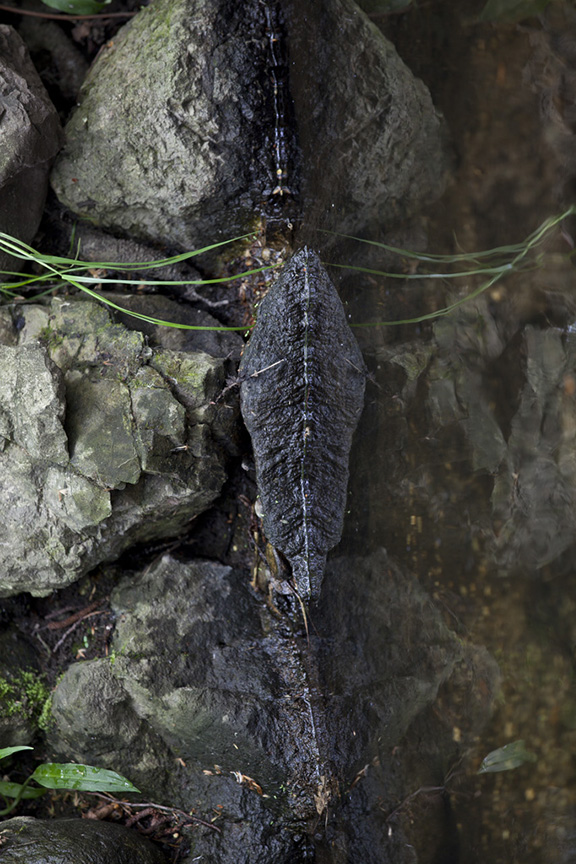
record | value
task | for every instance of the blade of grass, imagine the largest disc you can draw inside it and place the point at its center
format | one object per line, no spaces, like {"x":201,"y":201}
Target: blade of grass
{"x":517,"y":264}
{"x":22,"y":250}
{"x":514,"y":248}
{"x":71,"y":272}
{"x":158,"y":321}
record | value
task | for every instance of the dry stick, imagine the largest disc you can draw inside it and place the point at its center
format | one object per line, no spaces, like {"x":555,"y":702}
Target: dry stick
{"x":423,"y":790}
{"x":78,"y":615}
{"x":132,"y":806}
{"x":65,"y":17}
{"x":73,"y":627}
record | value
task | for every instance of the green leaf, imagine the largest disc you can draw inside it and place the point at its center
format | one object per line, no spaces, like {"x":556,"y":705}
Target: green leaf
{"x":512,"y":10}
{"x":13,"y":790}
{"x":506,"y":758}
{"x":78,"y":7}
{"x":7,"y":751}
{"x":54,"y":775}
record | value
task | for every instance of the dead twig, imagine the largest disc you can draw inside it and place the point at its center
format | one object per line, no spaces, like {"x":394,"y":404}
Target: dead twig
{"x":127,"y":806}
{"x":423,"y":790}
{"x":73,"y":627}
{"x":77,"y":616}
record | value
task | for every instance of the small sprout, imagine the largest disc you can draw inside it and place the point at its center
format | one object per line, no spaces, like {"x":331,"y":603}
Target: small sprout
{"x":506,"y":758}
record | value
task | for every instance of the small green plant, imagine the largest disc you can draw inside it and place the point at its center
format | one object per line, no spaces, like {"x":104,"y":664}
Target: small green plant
{"x":55,"y":775}
{"x":492,"y":265}
{"x":506,"y":758}
{"x":45,"y":718}
{"x":58,"y":272}
{"x":24,"y":694}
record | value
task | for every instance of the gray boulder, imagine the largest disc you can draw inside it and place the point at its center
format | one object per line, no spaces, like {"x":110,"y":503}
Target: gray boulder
{"x":166,"y":141}
{"x":524,"y":442}
{"x":104,"y":442}
{"x":217,"y":343}
{"x":189,"y":664}
{"x":206,"y":676}
{"x":25,"y":840}
{"x":373,"y":145}
{"x":185,"y":122}
{"x":30,"y":137}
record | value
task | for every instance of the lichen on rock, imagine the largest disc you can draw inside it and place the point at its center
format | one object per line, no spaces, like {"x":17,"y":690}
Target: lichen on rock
{"x":104,"y":442}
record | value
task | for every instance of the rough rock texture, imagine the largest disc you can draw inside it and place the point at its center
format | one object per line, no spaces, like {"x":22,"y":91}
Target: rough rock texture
{"x":530,"y":454}
{"x":302,"y":394}
{"x":372,"y":142}
{"x":30,"y":137}
{"x":73,"y":841}
{"x":58,"y":53}
{"x":203,"y":672}
{"x":166,"y":141}
{"x":499,"y":411}
{"x":185,"y":122}
{"x":217,"y":343}
{"x":192,"y":666}
{"x":104,"y":442}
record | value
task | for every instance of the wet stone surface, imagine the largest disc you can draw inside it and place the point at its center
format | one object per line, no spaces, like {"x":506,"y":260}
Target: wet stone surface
{"x":263,"y":725}
{"x":463,"y":470}
{"x":181,"y":85}
{"x":30,"y":138}
{"x":73,"y":841}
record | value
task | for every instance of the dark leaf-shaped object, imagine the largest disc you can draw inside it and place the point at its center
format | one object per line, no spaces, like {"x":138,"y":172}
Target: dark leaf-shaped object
{"x":302,"y":394}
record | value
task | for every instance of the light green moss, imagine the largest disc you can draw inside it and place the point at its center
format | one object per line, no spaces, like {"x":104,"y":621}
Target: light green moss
{"x":50,"y":338}
{"x":24,"y":694}
{"x":45,"y":719}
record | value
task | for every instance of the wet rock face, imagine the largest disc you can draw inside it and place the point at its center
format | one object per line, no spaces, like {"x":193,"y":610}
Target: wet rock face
{"x":199,"y":114}
{"x":301,"y":397}
{"x":373,"y":149}
{"x":30,"y":137}
{"x":193,"y":669}
{"x":166,"y":142}
{"x":530,"y":453}
{"x":204,"y":677}
{"x":104,"y":442}
{"x":73,"y":841}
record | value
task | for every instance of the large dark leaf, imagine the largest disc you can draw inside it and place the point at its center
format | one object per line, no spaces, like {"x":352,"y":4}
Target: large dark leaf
{"x":301,"y":396}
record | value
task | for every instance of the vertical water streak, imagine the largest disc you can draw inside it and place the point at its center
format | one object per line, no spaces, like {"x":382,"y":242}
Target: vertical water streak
{"x":306,"y":431}
{"x":278,"y":73}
